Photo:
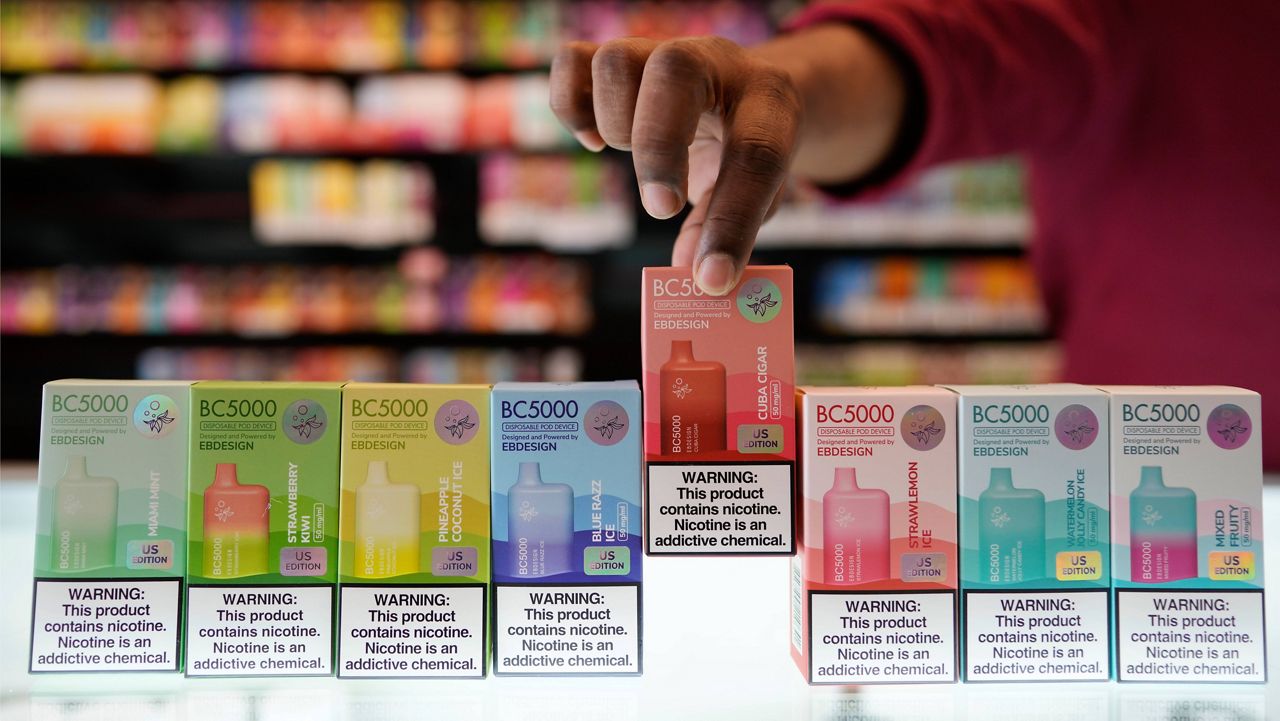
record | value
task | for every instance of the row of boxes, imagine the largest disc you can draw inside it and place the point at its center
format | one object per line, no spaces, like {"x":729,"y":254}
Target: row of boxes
{"x":216,"y":526}
{"x":1090,"y":533}
{"x":1020,"y":533}
{"x":995,"y":533}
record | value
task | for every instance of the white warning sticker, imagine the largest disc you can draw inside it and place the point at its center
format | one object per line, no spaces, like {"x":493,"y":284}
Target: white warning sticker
{"x":726,"y":508}
{"x":412,"y":631}
{"x":1037,"y":636}
{"x":260,"y":631}
{"x":567,"y":630}
{"x":129,"y":625}
{"x":882,"y":637}
{"x":1190,"y":636}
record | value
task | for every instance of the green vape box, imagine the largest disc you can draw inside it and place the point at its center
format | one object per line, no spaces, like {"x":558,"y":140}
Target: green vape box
{"x":262,"y":562}
{"x":110,"y":526}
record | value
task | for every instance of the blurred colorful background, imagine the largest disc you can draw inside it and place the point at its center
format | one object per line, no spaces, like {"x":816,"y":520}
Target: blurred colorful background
{"x":378,"y":191}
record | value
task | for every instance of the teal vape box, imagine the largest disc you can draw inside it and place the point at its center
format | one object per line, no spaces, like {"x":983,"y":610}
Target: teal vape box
{"x":1034,"y":533}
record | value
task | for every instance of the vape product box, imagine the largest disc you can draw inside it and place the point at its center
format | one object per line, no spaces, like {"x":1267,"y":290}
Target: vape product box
{"x":719,"y":403}
{"x":262,"y":559}
{"x":1034,"y":533}
{"x":110,"y":526}
{"x":1187,"y":562}
{"x":414,"y":552}
{"x":567,"y":545}
{"x":874,"y":581}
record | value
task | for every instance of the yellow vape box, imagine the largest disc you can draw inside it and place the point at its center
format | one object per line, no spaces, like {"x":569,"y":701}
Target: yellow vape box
{"x":414,"y":539}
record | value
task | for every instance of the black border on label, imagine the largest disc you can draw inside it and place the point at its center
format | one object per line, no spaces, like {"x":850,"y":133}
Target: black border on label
{"x":955,"y":638}
{"x":648,"y":543}
{"x":964,"y":594}
{"x":1261,"y":594}
{"x":427,"y":588}
{"x":333,"y":634}
{"x":564,"y":674}
{"x":178,"y":641}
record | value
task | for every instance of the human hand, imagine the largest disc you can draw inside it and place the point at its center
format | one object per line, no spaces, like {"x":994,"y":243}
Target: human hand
{"x":706,"y":122}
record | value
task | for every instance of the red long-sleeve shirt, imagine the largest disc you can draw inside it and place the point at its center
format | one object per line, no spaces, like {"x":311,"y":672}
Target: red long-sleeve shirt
{"x":1151,"y":131}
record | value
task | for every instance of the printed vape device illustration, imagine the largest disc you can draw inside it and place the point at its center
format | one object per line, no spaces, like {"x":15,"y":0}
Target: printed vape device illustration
{"x":387,"y":522}
{"x":1162,"y":526}
{"x":84,"y":519}
{"x":1011,"y":530}
{"x":855,"y":531}
{"x":236,"y":526}
{"x":539,"y":524}
{"x":693,"y":402}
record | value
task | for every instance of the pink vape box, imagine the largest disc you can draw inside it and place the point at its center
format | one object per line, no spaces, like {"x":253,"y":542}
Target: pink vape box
{"x":874,"y":580}
{"x":719,"y":425}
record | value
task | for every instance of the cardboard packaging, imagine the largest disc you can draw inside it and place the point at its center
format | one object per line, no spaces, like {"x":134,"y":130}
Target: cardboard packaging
{"x":874,"y":581}
{"x":1034,"y":533}
{"x":110,"y":526}
{"x":262,"y":556}
{"x":1187,"y":560}
{"x":414,"y":552}
{"x":720,"y":440}
{"x":567,"y":546}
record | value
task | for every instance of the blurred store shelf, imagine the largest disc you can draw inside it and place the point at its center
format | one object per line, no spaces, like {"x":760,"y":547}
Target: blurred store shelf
{"x":476,"y":295}
{"x":891,"y":363}
{"x":346,"y":36}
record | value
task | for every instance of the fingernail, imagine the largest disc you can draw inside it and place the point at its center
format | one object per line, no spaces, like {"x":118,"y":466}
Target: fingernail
{"x":659,"y":200}
{"x":716,"y":273}
{"x":590,"y":140}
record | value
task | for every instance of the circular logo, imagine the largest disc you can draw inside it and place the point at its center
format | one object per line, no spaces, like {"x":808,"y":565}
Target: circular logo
{"x":1230,"y":426}
{"x":923,"y":428}
{"x":759,"y":300}
{"x":305,"y":421}
{"x":457,"y":422}
{"x":1076,"y":427}
{"x":155,"y":416}
{"x":606,"y":423}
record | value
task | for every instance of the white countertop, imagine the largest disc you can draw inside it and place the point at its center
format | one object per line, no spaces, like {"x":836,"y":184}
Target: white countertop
{"x":715,"y":647}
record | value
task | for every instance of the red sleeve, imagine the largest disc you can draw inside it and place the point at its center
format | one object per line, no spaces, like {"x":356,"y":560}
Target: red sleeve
{"x":997,"y":76}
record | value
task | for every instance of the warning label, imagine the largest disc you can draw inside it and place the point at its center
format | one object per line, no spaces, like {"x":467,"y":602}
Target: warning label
{"x":1037,"y":635}
{"x":1190,"y":636}
{"x":567,"y":630}
{"x":412,"y":631}
{"x":727,"y":508}
{"x":882,"y":637}
{"x":259,"y":631}
{"x":105,"y":625}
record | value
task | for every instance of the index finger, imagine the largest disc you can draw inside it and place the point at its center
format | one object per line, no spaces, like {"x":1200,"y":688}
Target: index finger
{"x":761,"y":126}
{"x":571,"y":92}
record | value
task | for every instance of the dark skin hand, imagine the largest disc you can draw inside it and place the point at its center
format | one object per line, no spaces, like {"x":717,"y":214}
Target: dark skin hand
{"x":721,"y":126}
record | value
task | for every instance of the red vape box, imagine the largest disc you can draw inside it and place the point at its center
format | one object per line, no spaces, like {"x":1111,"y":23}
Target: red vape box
{"x":873,"y":584}
{"x":719,"y":414}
